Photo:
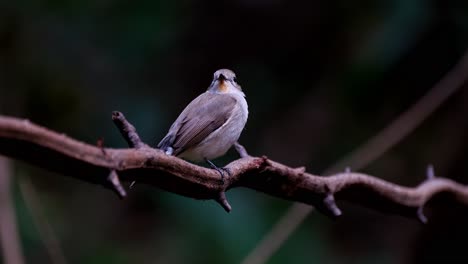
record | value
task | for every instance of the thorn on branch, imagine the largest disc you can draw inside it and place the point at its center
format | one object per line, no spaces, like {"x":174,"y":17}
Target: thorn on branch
{"x":241,"y":150}
{"x":222,"y":200}
{"x":420,"y":214}
{"x":127,"y":130}
{"x":330,"y":204}
{"x":347,"y":170}
{"x":264,"y":162}
{"x":430,"y":174}
{"x":100,"y":144}
{"x":300,"y":170}
{"x":113,"y":179}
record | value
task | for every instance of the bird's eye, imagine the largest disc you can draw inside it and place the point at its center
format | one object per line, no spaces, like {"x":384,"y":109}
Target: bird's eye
{"x":234,"y":79}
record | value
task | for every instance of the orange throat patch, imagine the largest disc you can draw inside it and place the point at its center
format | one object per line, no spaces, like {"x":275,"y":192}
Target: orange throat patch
{"x":222,"y":87}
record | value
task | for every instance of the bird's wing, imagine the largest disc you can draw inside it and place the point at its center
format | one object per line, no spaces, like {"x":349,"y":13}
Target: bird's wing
{"x":195,"y":123}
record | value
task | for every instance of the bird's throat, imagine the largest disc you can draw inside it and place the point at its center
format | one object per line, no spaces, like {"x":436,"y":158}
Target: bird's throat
{"x":222,"y":87}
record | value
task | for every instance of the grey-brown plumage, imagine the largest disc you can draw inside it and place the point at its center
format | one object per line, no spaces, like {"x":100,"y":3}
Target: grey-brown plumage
{"x":195,"y":123}
{"x":211,"y":123}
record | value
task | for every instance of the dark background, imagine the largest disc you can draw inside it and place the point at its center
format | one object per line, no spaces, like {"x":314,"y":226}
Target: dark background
{"x":320,"y":77}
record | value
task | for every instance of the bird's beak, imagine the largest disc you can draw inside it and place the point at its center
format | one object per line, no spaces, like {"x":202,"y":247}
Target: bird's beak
{"x":221,"y":78}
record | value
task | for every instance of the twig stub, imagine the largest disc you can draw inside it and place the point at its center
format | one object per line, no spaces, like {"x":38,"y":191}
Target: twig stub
{"x":420,"y":214}
{"x":331,"y":206}
{"x":127,"y":130}
{"x":222,"y":200}
{"x":114,"y":180}
{"x":430,"y":174}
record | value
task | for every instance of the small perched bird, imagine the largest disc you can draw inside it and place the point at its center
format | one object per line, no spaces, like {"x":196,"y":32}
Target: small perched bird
{"x":211,"y":123}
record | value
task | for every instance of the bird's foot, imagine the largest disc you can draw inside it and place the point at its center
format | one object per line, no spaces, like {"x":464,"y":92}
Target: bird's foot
{"x":220,"y":170}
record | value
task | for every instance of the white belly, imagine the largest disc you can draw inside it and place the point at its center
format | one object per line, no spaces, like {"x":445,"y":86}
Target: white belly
{"x":219,"y":142}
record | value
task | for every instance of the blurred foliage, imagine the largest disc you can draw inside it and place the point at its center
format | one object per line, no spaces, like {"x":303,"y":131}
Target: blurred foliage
{"x":320,"y":77}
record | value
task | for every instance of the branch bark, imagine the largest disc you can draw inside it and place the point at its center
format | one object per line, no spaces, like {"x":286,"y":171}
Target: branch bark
{"x":21,"y":139}
{"x":367,"y":153}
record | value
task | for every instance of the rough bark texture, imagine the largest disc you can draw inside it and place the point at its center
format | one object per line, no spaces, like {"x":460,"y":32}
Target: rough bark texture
{"x":23,"y":140}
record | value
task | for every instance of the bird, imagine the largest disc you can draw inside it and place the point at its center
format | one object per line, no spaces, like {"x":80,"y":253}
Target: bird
{"x":210,"y":124}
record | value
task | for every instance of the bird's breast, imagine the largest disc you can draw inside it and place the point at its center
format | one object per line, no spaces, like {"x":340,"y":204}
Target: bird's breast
{"x":219,"y":142}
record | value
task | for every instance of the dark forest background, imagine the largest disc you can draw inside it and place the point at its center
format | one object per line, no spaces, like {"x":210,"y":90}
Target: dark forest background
{"x":320,"y":77}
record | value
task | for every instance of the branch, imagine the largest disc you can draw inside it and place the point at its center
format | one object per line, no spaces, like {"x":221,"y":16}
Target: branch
{"x":127,"y":130}
{"x":37,"y":145}
{"x":365,"y":154}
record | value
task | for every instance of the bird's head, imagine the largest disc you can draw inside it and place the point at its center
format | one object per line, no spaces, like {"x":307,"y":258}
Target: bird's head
{"x":224,"y":81}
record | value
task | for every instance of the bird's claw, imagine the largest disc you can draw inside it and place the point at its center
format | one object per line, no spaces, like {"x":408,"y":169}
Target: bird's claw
{"x":222,"y":171}
{"x":219,"y":170}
